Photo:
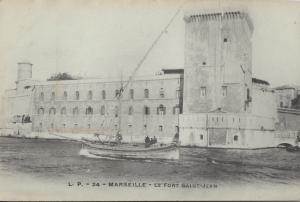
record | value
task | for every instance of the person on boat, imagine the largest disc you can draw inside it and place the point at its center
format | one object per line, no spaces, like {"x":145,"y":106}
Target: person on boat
{"x":154,"y":140}
{"x":147,"y":141}
{"x":119,"y":137}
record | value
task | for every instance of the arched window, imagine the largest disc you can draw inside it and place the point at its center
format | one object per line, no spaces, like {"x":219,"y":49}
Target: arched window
{"x":42,"y":96}
{"x":176,"y":109}
{"x":53,"y":96}
{"x":146,"y":110}
{"x":161,"y":110}
{"x":130,"y":110}
{"x":103,"y":95}
{"x":146,"y":93}
{"x":102,"y":110}
{"x":63,"y":111}
{"x":75,"y":111}
{"x":41,"y":111}
{"x":116,"y":111}
{"x":90,"y":95}
{"x":77,"y":95}
{"x":65,"y":95}
{"x":52,"y":111}
{"x":89,"y":110}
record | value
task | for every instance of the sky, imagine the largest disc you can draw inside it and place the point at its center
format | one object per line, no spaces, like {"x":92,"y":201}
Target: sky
{"x":102,"y":38}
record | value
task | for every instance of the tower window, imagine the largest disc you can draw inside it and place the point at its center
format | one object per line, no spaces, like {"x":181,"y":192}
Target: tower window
{"x":203,"y":91}
{"x":224,"y":90}
{"x":102,"y":110}
{"x":130,"y":110}
{"x":160,"y":128}
{"x":90,"y":95}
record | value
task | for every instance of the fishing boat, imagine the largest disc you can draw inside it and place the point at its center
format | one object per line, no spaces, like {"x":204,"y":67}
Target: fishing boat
{"x":130,"y":151}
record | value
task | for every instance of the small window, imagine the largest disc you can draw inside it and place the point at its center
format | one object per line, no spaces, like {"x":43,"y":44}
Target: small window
{"x":176,"y":109}
{"x":116,"y":111}
{"x":90,"y":95}
{"x":41,"y":111}
{"x":117,"y":92}
{"x":146,"y":93}
{"x":41,"y":96}
{"x":201,"y":137}
{"x":130,"y":110}
{"x":131,"y":94}
{"x":89,"y":110}
{"x":63,"y":111}
{"x":89,"y":125}
{"x":102,"y":110}
{"x":41,"y":124}
{"x":225,"y":40}
{"x":103,"y":95}
{"x":52,"y":111}
{"x":177,"y":93}
{"x":224,"y":90}
{"x":160,"y":128}
{"x":65,"y":95}
{"x":203,"y":91}
{"x":77,"y":95}
{"x":145,"y":126}
{"x":64,"y":125}
{"x":203,"y":63}
{"x":162,"y":93}
{"x":146,"y":110}
{"x":53,"y":96}
{"x":235,"y":138}
{"x":75,"y":111}
{"x":161,"y":110}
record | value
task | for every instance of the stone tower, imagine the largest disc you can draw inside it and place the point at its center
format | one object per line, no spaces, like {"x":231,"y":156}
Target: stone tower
{"x":218,"y":71}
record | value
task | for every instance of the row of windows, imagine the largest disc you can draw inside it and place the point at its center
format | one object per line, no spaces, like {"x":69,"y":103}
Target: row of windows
{"x":103,"y":94}
{"x":161,"y":110}
{"x":203,"y":91}
{"x":160,"y":127}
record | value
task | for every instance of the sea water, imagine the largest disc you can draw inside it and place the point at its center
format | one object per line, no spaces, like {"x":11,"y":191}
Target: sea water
{"x":64,"y":161}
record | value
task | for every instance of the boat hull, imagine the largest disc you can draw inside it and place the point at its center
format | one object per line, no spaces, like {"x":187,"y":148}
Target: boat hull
{"x":165,"y":152}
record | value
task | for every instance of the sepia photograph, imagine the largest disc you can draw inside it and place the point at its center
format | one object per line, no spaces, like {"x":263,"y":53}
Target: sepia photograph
{"x":147,"y":100}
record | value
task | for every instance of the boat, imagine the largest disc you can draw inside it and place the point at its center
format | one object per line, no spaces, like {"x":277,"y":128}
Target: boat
{"x":130,"y":151}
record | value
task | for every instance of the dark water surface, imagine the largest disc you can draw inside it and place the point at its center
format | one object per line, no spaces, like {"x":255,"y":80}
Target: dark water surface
{"x":60,"y":161}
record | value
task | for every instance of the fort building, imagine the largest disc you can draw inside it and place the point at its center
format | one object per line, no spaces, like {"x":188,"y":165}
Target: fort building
{"x":212,"y":102}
